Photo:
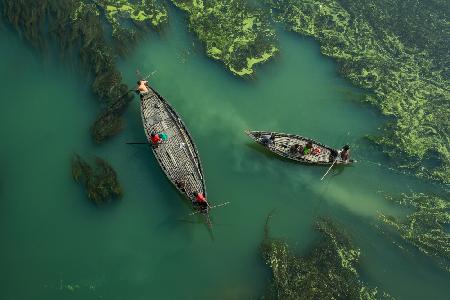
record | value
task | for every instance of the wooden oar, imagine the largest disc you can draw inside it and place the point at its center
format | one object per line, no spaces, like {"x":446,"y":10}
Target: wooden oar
{"x":139,"y":75}
{"x":149,"y":75}
{"x":328,"y":170}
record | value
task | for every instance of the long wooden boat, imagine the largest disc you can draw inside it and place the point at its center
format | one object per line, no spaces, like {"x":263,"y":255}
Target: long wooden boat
{"x":177,"y":155}
{"x":282,"y":143}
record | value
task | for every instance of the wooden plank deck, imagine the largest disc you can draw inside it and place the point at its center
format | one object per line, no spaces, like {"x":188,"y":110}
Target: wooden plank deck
{"x":283,"y":144}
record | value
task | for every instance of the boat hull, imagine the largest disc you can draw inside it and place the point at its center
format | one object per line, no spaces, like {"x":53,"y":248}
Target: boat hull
{"x":177,"y":155}
{"x":283,"y":142}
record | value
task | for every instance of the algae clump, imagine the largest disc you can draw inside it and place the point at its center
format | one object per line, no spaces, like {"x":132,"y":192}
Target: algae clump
{"x":400,"y":51}
{"x":233,"y":32}
{"x":426,"y":227}
{"x":119,"y":13}
{"x":327,"y":271}
{"x":101,"y":182}
{"x":81,"y":27}
{"x":145,"y":10}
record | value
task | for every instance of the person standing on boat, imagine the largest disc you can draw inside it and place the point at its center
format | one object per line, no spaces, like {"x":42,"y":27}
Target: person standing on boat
{"x":345,"y":153}
{"x":200,"y":200}
{"x":142,"y":86}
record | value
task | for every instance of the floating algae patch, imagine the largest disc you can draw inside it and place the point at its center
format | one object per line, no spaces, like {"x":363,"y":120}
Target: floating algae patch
{"x":327,"y":271}
{"x":78,"y":27}
{"x":100,"y":181}
{"x":140,"y":13}
{"x":235,"y":33}
{"x":400,"y":51}
{"x":426,"y":227}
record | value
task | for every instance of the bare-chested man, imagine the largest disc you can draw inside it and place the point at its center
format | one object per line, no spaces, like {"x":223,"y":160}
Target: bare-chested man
{"x":142,"y":86}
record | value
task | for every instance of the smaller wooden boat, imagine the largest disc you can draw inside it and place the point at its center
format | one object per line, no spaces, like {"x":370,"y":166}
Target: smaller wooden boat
{"x":283,"y":144}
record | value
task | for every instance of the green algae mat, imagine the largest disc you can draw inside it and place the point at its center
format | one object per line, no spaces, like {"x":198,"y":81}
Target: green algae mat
{"x":235,"y":33}
{"x":399,"y":52}
{"x":327,"y":271}
{"x":424,"y":227}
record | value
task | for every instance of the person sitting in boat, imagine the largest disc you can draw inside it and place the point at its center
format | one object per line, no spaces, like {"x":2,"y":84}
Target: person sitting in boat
{"x":267,"y":139}
{"x":200,"y":200}
{"x":163,"y":136}
{"x":308,"y":148}
{"x":333,"y":155}
{"x":345,"y":153}
{"x":316,"y":151}
{"x":156,"y":138}
{"x":142,"y":86}
{"x":295,"y":149}
{"x":181,"y":184}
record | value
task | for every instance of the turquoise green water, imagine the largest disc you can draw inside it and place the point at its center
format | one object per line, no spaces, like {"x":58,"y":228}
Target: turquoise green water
{"x":57,"y":245}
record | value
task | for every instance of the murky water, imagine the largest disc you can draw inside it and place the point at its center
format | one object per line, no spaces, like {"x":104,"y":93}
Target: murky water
{"x":57,"y":245}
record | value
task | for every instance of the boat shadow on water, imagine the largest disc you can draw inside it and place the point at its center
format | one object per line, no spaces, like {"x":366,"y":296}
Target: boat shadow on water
{"x":183,"y":215}
{"x":335,"y":171}
{"x":191,"y":216}
{"x":338,"y":170}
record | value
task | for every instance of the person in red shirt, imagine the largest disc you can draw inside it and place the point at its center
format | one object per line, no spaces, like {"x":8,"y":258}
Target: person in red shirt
{"x":155,"y":138}
{"x":200,"y":200}
{"x":316,"y":151}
